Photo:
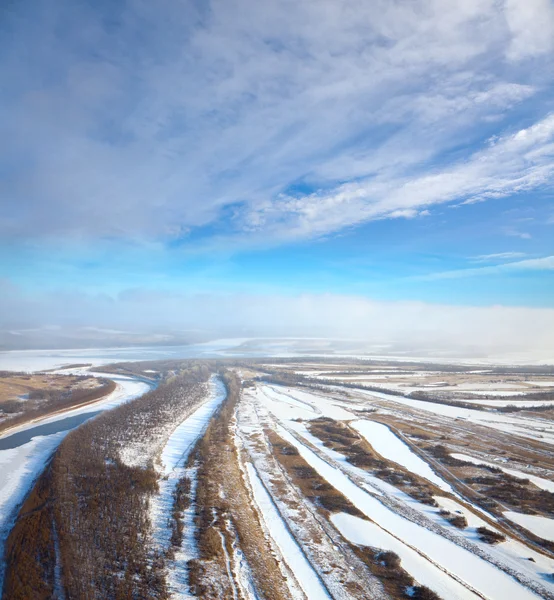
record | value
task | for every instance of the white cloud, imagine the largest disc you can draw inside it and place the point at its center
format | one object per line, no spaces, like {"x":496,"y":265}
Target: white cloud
{"x":498,"y":256}
{"x":545,"y":263}
{"x":532,"y":25}
{"x":172,"y":115}
{"x":512,"y":163}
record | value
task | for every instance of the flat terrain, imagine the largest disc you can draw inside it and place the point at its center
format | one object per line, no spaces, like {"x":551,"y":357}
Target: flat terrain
{"x":27,"y":396}
{"x":279,"y":479}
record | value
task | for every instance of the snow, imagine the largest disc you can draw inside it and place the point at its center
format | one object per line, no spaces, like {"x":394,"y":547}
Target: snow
{"x":20,"y":466}
{"x":284,"y":406}
{"x":530,"y":404}
{"x":391,"y":447}
{"x":489,"y":387}
{"x":296,"y":560}
{"x":180,"y":443}
{"x":458,"y":563}
{"x":173,"y":460}
{"x":544,"y":484}
{"x":174,"y":457}
{"x":543,"y":527}
{"x":524,"y":427}
{"x":292,"y":403}
{"x":241,"y":570}
{"x":455,"y":507}
{"x":497,"y":393}
{"x":364,"y":533}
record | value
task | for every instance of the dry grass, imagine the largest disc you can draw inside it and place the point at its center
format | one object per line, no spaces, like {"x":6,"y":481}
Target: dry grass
{"x":29,"y":397}
{"x":340,"y":437}
{"x":308,"y":480}
{"x":13,"y":386}
{"x":224,"y":508}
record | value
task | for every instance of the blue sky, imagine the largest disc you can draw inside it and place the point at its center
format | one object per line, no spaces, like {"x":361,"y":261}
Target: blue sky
{"x":392,"y":152}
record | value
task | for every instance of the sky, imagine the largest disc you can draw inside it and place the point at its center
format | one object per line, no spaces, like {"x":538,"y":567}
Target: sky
{"x":180,"y":170}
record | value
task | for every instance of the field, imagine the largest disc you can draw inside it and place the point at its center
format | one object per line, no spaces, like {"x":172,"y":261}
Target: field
{"x":302,"y":479}
{"x":28,"y":396}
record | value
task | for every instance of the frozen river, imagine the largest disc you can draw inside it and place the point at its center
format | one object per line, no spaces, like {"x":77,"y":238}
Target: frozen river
{"x":25,"y":452}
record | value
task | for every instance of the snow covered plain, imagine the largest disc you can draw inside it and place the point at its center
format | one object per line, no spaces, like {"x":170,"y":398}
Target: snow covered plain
{"x":462,"y":574}
{"x":453,"y":562}
{"x":541,"y":526}
{"x":520,"y":426}
{"x":459,"y":565}
{"x":305,"y":575}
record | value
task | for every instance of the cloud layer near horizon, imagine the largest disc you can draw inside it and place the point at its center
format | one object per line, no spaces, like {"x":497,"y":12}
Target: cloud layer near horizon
{"x":146,"y":317}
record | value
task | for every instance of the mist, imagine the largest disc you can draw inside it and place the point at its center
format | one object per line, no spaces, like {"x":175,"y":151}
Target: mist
{"x":140,"y":317}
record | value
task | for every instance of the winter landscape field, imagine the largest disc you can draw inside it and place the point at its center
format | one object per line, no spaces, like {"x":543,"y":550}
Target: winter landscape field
{"x":277,"y":300}
{"x":281,"y":478}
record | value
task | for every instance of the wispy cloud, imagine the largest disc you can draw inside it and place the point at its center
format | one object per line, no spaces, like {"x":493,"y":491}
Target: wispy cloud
{"x":157,"y":122}
{"x":499,"y":256}
{"x":532,"y":264}
{"x":514,"y":232}
{"x":513,"y":163}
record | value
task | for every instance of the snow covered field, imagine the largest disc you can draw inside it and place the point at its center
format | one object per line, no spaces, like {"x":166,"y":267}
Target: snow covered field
{"x":540,"y":482}
{"x":314,"y":480}
{"x":458,"y":566}
{"x":520,"y":426}
{"x":455,"y":565}
{"x":387,"y":444}
{"x":536,"y":524}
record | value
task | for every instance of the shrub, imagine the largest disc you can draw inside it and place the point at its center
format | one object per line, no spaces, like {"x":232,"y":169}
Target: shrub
{"x":422,"y":592}
{"x":389,"y":559}
{"x":489,"y":536}
{"x":458,"y":521}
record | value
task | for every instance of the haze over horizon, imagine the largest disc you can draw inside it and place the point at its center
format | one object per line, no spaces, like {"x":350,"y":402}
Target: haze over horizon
{"x":178,"y":172}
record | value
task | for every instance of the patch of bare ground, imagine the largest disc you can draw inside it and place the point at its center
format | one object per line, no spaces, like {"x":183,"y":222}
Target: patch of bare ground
{"x":225,"y":517}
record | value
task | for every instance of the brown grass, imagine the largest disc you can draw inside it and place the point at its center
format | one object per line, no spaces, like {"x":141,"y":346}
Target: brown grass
{"x":222,"y":498}
{"x":47,"y":395}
